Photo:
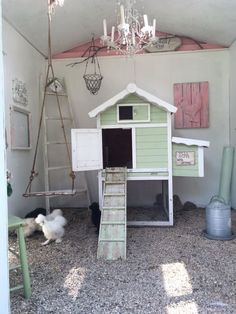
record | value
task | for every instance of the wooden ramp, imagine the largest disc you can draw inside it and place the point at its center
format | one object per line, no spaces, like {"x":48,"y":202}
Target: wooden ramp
{"x":112,"y":235}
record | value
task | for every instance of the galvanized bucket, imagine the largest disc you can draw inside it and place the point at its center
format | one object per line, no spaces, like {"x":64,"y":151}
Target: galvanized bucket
{"x":218,"y":220}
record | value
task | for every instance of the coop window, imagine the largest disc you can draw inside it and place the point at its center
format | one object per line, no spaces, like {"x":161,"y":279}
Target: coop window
{"x":125,"y":113}
{"x":138,"y":112}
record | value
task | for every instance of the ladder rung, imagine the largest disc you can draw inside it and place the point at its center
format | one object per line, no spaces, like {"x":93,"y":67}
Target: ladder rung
{"x":58,"y":168}
{"x":54,"y":94}
{"x":16,"y":288}
{"x":113,"y":223}
{"x":57,"y":142}
{"x":112,"y":240}
{"x":58,"y":118}
{"x":15,"y":267}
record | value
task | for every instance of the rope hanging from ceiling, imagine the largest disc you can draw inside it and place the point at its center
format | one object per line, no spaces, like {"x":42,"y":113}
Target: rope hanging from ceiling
{"x":50,"y":79}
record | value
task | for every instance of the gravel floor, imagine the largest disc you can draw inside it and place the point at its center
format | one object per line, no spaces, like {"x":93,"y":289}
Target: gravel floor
{"x":168,"y":270}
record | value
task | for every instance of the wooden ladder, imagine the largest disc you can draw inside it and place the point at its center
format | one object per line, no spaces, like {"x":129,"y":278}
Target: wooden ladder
{"x":56,"y":163}
{"x":112,"y":234}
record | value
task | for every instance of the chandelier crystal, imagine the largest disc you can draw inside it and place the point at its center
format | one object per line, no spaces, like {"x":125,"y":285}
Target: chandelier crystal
{"x":133,"y":31}
{"x":52,"y":4}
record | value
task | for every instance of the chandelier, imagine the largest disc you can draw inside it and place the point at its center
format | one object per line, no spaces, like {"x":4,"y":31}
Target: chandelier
{"x":133,"y":31}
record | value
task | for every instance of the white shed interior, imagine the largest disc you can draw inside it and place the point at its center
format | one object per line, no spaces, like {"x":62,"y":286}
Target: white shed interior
{"x":24,"y":46}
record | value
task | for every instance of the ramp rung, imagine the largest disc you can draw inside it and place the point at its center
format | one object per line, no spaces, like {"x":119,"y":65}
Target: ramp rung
{"x":114,"y":194}
{"x":113,"y":208}
{"x":115,"y":182}
{"x":115,"y":171}
{"x":112,"y":240}
{"x":113,"y":223}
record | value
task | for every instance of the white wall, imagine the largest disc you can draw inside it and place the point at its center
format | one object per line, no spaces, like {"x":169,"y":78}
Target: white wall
{"x":232,"y":67}
{"x":156,"y":73}
{"x":4,"y":272}
{"x":23,"y":62}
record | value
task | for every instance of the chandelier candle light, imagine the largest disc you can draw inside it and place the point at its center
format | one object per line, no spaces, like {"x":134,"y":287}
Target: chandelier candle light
{"x":132,"y":35}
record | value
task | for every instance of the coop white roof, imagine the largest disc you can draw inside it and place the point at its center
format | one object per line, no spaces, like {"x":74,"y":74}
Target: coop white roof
{"x":189,"y":141}
{"x":132,"y":88}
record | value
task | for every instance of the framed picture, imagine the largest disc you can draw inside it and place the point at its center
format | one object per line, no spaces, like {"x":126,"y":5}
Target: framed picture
{"x":20,"y":128}
{"x":19,"y":92}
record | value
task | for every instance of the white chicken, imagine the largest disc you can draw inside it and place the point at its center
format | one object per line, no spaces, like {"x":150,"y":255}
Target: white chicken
{"x":53,"y":229}
{"x":30,"y":225}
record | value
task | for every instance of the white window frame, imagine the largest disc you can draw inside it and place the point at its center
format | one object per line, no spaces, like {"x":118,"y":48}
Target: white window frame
{"x":132,"y":105}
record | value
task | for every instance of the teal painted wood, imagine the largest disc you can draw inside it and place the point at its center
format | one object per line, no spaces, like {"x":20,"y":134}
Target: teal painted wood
{"x":151,"y":145}
{"x":153,"y":132}
{"x":141,"y":113}
{"x":151,"y":148}
{"x":112,"y":234}
{"x":158,"y":115}
{"x":16,"y":223}
{"x":131,"y":99}
{"x":108,"y":117}
{"x":185,"y":170}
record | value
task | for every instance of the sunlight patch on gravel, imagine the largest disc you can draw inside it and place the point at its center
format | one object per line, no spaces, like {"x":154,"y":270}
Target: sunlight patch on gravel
{"x":183,"y":308}
{"x":74,"y":281}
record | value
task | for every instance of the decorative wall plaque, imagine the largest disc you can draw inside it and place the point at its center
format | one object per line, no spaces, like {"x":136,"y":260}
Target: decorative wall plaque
{"x":19,"y":92}
{"x":168,"y":43}
{"x":185,"y":158}
{"x":192,"y":102}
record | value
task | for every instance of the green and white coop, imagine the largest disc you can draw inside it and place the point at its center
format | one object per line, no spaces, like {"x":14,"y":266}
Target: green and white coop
{"x":133,"y":142}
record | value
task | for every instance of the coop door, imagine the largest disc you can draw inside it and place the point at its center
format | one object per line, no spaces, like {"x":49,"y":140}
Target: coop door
{"x":117,"y":148}
{"x":86,"y":149}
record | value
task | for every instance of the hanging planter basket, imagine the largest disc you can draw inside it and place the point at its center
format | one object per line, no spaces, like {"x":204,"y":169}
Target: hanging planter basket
{"x":93,"y":82}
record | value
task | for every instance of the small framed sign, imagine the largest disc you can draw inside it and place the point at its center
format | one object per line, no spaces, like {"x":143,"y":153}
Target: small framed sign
{"x":19,"y":92}
{"x":185,"y":158}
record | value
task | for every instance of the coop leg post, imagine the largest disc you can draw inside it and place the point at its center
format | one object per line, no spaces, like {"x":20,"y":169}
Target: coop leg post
{"x":100,"y":188}
{"x":170,"y":199}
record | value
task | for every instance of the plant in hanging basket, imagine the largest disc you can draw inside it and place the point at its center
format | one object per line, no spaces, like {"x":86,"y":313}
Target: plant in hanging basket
{"x":93,"y":82}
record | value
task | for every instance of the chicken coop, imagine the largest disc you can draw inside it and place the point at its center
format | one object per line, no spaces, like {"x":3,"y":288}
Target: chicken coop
{"x":134,"y":131}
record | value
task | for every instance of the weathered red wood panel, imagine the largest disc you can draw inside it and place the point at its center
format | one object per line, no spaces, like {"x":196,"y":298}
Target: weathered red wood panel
{"x":179,"y":119}
{"x":204,"y":88}
{"x":192,"y":102}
